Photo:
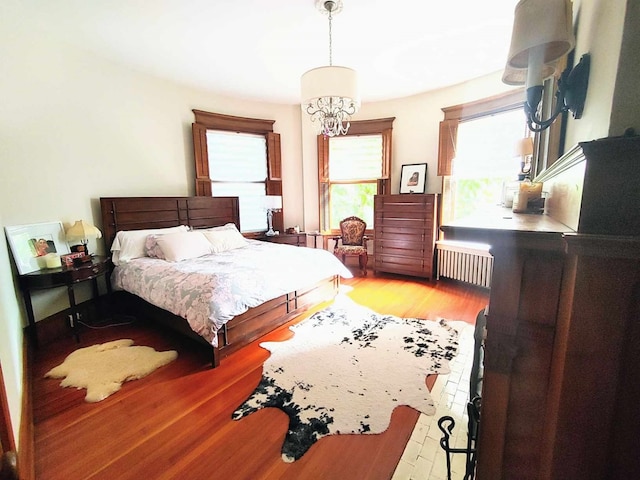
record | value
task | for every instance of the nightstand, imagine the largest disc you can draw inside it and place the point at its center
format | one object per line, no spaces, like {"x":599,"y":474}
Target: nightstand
{"x":60,"y":277}
{"x":297,"y":239}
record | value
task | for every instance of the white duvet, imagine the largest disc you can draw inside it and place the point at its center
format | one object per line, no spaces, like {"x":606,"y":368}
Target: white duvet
{"x":209,"y":291}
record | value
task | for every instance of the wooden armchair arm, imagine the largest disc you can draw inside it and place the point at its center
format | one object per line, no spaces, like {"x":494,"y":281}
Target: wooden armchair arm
{"x":336,"y":239}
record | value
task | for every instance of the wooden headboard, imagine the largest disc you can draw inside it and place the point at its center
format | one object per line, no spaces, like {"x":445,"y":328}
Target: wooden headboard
{"x":138,"y":213}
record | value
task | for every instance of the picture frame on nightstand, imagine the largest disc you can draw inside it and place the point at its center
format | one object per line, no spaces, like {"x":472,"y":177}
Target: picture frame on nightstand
{"x":31,"y":243}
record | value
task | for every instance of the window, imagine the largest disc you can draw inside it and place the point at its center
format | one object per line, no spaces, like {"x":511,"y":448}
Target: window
{"x":239,"y":157}
{"x":485,"y":160}
{"x":355,"y":165}
{"x":353,"y":168}
{"x":476,"y":152}
{"x":238,"y":168}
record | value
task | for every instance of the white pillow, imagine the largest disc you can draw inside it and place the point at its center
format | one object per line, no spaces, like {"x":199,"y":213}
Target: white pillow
{"x":227,"y":226}
{"x":129,"y":244}
{"x":183,"y":245}
{"x":225,"y":239}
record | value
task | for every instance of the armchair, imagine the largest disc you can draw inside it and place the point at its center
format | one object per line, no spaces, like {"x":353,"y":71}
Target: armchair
{"x":352,"y":241}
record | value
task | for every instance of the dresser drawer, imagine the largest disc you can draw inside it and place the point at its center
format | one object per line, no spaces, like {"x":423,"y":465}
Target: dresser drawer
{"x":85,"y":273}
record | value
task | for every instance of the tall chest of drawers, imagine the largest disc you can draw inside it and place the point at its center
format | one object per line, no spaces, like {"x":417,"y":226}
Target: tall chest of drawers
{"x":405,"y":228}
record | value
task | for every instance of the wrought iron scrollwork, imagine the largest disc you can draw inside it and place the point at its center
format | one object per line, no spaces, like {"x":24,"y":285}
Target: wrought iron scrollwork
{"x":447,"y":424}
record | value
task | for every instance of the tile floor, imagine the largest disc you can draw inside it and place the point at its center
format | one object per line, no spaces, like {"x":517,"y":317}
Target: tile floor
{"x":423,"y":458}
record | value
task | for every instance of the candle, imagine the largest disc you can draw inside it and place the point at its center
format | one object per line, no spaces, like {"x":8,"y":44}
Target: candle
{"x":528,"y":192}
{"x":52,"y":260}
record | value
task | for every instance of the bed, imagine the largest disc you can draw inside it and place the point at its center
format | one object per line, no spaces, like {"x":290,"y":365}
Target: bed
{"x":270,"y":305}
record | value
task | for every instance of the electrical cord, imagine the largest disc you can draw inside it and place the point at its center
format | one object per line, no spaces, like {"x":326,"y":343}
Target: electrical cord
{"x":108,"y":325}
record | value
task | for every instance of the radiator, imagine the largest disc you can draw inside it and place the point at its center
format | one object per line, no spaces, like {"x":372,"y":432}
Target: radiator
{"x":466,"y":262}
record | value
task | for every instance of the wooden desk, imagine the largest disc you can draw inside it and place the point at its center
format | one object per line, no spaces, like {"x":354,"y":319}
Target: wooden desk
{"x":59,"y":277}
{"x":560,"y":381}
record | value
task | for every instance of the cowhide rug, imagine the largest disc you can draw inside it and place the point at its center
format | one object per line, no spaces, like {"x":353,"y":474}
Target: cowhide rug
{"x":346,"y":369}
{"x":103,"y":368}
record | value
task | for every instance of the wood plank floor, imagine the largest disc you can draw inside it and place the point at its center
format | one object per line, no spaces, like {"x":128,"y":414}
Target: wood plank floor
{"x":176,"y":423}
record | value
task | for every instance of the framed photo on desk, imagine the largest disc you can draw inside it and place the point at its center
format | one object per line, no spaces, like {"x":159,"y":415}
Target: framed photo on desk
{"x":31,"y":243}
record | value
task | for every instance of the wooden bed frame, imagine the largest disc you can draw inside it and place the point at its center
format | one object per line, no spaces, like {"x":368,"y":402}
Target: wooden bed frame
{"x":137,"y":213}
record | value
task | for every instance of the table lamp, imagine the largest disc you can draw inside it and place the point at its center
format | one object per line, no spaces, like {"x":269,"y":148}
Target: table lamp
{"x":82,"y":231}
{"x":272,"y":203}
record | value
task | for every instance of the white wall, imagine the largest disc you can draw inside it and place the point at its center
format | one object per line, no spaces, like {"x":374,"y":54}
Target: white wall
{"x":599,"y":32}
{"x":77,"y":128}
{"x":11,"y":337}
{"x":625,"y":112}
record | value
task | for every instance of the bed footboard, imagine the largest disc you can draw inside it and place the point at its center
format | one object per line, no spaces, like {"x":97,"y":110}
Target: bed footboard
{"x":243,"y":329}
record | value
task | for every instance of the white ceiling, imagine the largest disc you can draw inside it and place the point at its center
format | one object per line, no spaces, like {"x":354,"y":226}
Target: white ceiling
{"x":258,"y":49}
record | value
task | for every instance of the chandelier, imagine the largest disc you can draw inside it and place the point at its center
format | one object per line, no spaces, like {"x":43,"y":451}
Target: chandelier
{"x":330,"y":94}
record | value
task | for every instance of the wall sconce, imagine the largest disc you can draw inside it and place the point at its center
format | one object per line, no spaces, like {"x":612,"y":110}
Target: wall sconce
{"x":81,"y":231}
{"x":542,"y":34}
{"x":272,"y":203}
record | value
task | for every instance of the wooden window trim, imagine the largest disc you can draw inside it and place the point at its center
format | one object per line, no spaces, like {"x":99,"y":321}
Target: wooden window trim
{"x":216,"y":121}
{"x":381,"y":126}
{"x":468,"y":111}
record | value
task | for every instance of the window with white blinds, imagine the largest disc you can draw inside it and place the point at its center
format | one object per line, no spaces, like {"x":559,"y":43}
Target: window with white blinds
{"x":238,"y":167}
{"x":355,"y":165}
{"x":355,"y":158}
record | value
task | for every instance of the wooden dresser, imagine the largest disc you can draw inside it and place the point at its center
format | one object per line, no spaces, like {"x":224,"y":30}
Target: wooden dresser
{"x":405,"y":233}
{"x":561,"y":379}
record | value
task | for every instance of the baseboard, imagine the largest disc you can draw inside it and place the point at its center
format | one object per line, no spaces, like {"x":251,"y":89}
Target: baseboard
{"x":26,"y":447}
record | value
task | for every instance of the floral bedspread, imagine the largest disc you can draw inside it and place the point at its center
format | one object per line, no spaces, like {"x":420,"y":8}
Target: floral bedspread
{"x":209,"y":291}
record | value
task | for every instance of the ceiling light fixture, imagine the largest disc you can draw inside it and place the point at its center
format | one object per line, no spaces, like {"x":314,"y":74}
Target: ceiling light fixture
{"x":542,"y":34}
{"x":330,"y":94}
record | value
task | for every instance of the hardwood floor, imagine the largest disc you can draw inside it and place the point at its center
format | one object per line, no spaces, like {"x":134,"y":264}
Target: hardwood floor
{"x":176,"y":423}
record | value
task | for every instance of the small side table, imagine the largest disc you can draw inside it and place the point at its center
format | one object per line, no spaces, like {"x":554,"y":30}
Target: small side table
{"x":59,"y":277}
{"x":325,"y":238}
{"x":315,"y":236}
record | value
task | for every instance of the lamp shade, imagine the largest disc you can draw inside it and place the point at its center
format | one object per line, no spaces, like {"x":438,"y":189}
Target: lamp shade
{"x":272,"y":202}
{"x":543,"y":27}
{"x":325,"y":82}
{"x":518,"y":76}
{"x":524,"y":147}
{"x":82,"y":230}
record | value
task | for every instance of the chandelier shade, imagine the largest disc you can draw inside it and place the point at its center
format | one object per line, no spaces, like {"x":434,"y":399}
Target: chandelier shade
{"x":330,"y":94}
{"x":330,"y":82}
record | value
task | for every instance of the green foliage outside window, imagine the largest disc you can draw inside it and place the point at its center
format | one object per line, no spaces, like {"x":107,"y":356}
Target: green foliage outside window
{"x":476,"y":194}
{"x":352,"y":199}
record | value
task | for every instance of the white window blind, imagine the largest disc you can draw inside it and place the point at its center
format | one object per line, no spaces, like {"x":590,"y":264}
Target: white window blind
{"x":238,"y":168}
{"x":355,"y":163}
{"x":355,"y":158}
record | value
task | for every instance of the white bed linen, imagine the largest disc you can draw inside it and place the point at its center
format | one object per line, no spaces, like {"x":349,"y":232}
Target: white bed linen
{"x":210,"y":290}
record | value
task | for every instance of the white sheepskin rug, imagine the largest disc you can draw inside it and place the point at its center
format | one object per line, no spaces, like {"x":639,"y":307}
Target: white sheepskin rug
{"x":102,"y":369}
{"x":346,"y":369}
